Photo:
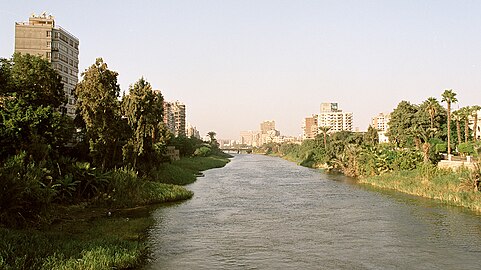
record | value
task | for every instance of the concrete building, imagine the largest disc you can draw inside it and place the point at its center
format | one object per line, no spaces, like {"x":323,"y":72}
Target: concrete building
{"x":478,"y":123}
{"x":174,"y":117}
{"x":331,"y":116}
{"x":192,"y":132}
{"x":381,"y":123}
{"x":310,"y":127}
{"x":266,"y":126}
{"x":40,"y":36}
{"x":250,"y":138}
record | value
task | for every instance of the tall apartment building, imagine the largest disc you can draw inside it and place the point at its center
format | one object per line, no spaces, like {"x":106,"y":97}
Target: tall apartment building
{"x":40,"y":36}
{"x":174,"y":117}
{"x":381,"y":123}
{"x":266,"y":126}
{"x":310,"y":127}
{"x":250,"y":138}
{"x":192,"y":132}
{"x":332,"y":116}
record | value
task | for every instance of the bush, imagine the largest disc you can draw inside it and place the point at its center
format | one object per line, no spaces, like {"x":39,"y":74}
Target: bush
{"x":203,"y":151}
{"x":466,"y":148}
{"x":26,"y":190}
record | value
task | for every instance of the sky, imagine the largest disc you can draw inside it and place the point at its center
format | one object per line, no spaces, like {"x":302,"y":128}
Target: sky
{"x":237,"y":63}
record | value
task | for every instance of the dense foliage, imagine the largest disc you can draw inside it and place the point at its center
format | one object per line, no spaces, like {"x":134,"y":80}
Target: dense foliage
{"x":110,"y":154}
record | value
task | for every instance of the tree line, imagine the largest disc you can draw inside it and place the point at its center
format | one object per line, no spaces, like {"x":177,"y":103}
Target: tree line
{"x":418,"y":133}
{"x":48,"y":157}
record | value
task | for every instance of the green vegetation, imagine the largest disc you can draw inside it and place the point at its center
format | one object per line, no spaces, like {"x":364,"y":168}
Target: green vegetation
{"x":110,"y":157}
{"x":419,"y":134}
{"x":456,"y":188}
{"x":101,"y":243}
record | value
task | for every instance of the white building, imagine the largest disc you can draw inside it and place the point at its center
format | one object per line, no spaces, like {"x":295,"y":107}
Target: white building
{"x":334,"y":118}
{"x":40,"y":36}
{"x":381,"y":123}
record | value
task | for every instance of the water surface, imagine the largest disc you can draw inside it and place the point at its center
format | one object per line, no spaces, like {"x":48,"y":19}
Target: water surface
{"x":262,"y":212}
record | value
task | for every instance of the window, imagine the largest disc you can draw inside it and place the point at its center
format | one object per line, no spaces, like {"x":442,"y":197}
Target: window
{"x":49,"y":55}
{"x":49,"y":44}
{"x":49,"y":33}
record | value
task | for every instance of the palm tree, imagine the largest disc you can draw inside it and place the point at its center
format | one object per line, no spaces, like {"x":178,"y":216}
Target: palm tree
{"x":465,"y":112}
{"x":458,"y":117}
{"x":212,"y":135}
{"x":449,"y":97}
{"x":474,"y":113}
{"x":324,"y":130}
{"x":422,"y":135}
{"x":431,"y":105}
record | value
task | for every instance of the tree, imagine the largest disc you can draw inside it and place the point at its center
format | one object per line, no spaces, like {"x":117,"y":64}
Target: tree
{"x":324,"y":130}
{"x":449,"y":97}
{"x":402,"y":119}
{"x":371,"y":137}
{"x":30,"y":93}
{"x":213,"y":141}
{"x":423,"y":134}
{"x":474,"y":113}
{"x":465,"y":112}
{"x":431,"y":106}
{"x":143,"y":108}
{"x":98,"y":106}
{"x":31,"y":78}
{"x":457,"y":115}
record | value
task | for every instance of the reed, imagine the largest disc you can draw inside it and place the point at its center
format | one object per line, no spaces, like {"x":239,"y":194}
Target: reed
{"x":444,"y":185}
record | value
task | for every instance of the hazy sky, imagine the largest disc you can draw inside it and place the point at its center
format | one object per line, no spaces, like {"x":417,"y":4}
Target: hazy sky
{"x":237,"y":63}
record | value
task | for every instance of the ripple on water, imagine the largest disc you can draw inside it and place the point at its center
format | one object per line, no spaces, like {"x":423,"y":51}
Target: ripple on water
{"x":265,"y":213}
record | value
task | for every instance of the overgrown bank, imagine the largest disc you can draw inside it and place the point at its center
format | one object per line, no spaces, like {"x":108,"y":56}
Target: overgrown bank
{"x":102,"y":235}
{"x":459,"y":188}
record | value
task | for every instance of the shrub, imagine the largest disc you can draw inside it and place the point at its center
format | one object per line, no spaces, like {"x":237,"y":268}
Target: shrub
{"x":466,"y":148}
{"x":203,"y":151}
{"x":25,"y":190}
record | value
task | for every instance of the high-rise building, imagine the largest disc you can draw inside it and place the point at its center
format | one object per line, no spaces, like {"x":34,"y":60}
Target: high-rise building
{"x":174,"y":117}
{"x":192,"y":132}
{"x":381,"y":123}
{"x":40,"y":36}
{"x":266,"y":126}
{"x":310,"y":127}
{"x":478,"y":124}
{"x":331,"y":116}
{"x":250,"y":138}
{"x":169,"y":119}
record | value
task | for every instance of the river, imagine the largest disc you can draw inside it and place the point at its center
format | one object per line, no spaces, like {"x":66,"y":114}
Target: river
{"x":262,"y":212}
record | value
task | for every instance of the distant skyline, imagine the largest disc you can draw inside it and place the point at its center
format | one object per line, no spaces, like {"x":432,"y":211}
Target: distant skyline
{"x":235,"y":64}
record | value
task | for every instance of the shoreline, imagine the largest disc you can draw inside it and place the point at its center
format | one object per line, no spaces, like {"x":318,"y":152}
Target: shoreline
{"x":445,"y":186}
{"x":96,"y":237}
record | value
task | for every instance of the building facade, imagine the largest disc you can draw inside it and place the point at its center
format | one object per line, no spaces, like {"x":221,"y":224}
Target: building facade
{"x":192,"y":132}
{"x":250,"y":138}
{"x":381,"y":123}
{"x":310,"y":127}
{"x":40,"y":36}
{"x":174,"y":117}
{"x":331,"y":116}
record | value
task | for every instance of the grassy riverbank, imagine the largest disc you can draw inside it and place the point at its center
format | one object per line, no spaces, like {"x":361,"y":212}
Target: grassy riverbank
{"x":450,"y":187}
{"x":454,"y":188}
{"x":87,"y":237}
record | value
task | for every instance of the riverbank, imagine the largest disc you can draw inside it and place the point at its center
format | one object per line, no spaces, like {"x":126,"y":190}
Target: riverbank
{"x":99,"y":236}
{"x":451,"y":187}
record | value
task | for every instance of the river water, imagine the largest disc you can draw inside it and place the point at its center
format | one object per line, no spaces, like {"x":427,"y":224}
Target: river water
{"x":262,"y":212}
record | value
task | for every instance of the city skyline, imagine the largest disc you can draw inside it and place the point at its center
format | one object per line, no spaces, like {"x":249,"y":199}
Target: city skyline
{"x":245,"y":62}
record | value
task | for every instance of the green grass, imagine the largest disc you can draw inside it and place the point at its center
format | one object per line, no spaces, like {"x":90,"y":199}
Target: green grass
{"x":103,"y":243}
{"x":83,"y":237}
{"x":443,"y":185}
{"x":184,"y":171}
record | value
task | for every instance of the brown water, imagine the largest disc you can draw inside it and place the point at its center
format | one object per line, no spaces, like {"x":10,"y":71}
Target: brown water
{"x":261,"y":212}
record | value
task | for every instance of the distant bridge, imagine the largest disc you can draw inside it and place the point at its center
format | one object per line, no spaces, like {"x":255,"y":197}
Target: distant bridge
{"x":238,"y":150}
